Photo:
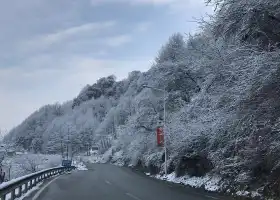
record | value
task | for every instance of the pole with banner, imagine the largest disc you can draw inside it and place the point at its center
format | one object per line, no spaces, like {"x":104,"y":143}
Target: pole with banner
{"x":160,"y":136}
{"x":161,"y":131}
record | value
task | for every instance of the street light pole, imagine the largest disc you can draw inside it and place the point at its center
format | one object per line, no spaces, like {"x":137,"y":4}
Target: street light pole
{"x":164,"y":124}
{"x":114,"y":128}
{"x":164,"y":132}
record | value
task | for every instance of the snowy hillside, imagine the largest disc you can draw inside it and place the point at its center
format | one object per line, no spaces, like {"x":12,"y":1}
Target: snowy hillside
{"x":222,"y":105}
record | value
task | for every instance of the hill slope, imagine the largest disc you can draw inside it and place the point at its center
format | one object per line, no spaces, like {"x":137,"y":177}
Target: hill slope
{"x":222,"y":105}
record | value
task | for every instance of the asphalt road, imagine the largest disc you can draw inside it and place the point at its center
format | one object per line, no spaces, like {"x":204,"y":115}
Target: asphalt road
{"x":107,"y":182}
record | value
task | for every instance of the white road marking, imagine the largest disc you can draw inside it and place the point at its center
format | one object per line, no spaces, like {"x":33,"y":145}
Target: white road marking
{"x":207,"y":196}
{"x":42,"y":189}
{"x":108,"y":182}
{"x":211,"y":197}
{"x":132,"y":196}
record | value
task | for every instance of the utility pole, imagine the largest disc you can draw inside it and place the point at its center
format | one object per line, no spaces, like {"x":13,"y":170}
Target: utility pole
{"x":115,"y":130}
{"x":164,"y":124}
{"x":61,"y":147}
{"x":164,"y":131}
{"x":67,"y":147}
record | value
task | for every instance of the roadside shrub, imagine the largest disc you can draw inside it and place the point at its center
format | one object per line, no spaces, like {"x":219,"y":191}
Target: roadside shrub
{"x":195,"y":165}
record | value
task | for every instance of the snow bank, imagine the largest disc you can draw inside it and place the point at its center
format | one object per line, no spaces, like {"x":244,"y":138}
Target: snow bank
{"x":255,"y":194}
{"x":209,"y":183}
{"x":91,"y":159}
{"x":106,"y":156}
{"x":243,"y":193}
{"x":80,"y":166}
{"x":117,"y":158}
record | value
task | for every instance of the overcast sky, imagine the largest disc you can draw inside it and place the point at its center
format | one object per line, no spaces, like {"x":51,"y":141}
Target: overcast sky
{"x":50,"y":49}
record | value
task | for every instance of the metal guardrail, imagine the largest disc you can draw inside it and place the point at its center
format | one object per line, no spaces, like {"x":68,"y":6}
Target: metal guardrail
{"x":18,"y":187}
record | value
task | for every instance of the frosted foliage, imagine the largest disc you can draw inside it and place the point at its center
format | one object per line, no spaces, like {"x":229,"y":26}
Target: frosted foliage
{"x":222,"y":101}
{"x":173,"y":51}
{"x":253,"y":21}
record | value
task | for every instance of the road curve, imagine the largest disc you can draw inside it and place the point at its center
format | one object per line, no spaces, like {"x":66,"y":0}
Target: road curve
{"x":107,"y":182}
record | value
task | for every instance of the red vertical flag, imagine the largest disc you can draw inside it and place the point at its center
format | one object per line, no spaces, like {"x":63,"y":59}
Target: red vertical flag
{"x":160,"y":137}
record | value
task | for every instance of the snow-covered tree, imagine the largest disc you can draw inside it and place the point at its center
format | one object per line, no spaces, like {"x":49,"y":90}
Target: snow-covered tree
{"x":173,"y":51}
{"x":254,"y":21}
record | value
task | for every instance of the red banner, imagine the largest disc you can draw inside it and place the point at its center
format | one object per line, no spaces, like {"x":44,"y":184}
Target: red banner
{"x":160,"y":137}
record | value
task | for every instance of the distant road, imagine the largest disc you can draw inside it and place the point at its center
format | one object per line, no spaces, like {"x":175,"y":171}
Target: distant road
{"x":107,"y":182}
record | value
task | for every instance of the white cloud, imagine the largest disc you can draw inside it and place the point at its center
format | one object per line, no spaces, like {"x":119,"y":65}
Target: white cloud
{"x":196,"y":7}
{"x":175,"y":6}
{"x":101,"y":53}
{"x":143,"y":26}
{"x":116,"y":41}
{"x":64,"y":34}
{"x":47,"y":40}
{"x":184,"y":3}
{"x":133,"y":2}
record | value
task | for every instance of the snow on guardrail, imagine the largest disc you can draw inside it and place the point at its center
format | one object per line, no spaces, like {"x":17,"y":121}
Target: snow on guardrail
{"x":8,"y":183}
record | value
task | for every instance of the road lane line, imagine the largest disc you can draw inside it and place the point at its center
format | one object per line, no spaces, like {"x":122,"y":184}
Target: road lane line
{"x":108,"y":182}
{"x":211,"y":197}
{"x":132,"y":196}
{"x":42,"y":189}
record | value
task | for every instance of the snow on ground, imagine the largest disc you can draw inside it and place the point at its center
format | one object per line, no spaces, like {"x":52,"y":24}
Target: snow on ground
{"x":243,"y":193}
{"x":117,"y":158}
{"x":106,"y":156}
{"x":79,"y":165}
{"x":207,"y":182}
{"x":253,"y":194}
{"x":90,"y":159}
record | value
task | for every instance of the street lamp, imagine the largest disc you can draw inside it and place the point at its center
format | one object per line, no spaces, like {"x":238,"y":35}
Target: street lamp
{"x":164,"y":119}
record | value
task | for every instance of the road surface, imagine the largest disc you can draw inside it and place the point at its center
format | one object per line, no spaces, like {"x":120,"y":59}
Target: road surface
{"x":107,"y":182}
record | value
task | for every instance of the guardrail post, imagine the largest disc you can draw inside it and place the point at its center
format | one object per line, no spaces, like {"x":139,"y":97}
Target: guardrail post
{"x":13,"y":194}
{"x":25,"y":187}
{"x":20,"y":191}
{"x":3,"y":197}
